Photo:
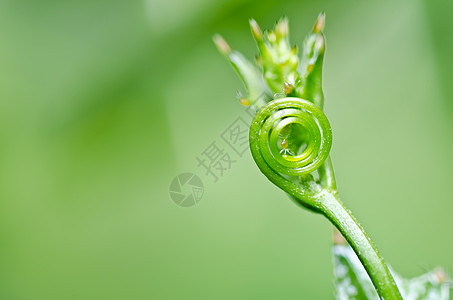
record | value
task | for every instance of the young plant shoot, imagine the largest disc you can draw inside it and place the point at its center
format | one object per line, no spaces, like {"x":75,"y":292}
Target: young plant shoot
{"x":290,"y":140}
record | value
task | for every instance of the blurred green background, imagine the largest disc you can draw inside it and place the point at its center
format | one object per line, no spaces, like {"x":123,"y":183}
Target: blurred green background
{"x":104,"y":102}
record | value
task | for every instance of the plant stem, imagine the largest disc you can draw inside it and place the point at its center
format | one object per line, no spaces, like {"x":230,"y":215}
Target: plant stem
{"x":362,"y":245}
{"x":327,"y":176}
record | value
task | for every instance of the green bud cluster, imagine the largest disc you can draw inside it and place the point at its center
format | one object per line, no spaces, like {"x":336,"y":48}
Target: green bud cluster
{"x":280,"y":71}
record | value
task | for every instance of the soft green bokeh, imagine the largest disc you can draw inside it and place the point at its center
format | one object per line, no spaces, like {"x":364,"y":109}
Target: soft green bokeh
{"x":104,"y":102}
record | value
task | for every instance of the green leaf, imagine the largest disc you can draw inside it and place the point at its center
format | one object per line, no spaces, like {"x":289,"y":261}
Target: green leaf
{"x":352,"y":281}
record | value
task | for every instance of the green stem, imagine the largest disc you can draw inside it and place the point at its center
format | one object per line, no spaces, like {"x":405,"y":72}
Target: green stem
{"x":327,"y":176}
{"x":336,"y":212}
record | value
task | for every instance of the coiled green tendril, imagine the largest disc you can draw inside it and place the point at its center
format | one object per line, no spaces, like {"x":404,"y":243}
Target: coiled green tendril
{"x":303,"y":124}
{"x":276,"y":117}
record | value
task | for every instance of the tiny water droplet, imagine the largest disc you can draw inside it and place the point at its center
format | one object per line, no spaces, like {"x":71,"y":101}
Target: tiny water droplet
{"x":284,"y":143}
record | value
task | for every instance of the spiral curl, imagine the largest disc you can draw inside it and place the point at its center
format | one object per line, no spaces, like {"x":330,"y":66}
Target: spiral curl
{"x":270,"y":123}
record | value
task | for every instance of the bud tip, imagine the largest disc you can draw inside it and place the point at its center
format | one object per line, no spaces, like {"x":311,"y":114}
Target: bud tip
{"x":221,"y":44}
{"x":288,"y":88}
{"x":338,"y":238}
{"x":441,"y":275}
{"x":282,"y":28}
{"x":244,"y":101}
{"x":320,"y":23}
{"x":256,"y":30}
